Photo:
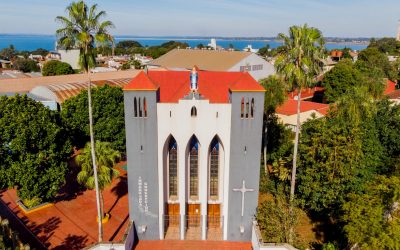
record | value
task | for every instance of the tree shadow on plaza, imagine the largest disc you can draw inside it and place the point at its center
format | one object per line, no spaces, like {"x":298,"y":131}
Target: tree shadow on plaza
{"x":119,"y":190}
{"x":71,"y":188}
{"x":45,"y":230}
{"x":72,"y":242}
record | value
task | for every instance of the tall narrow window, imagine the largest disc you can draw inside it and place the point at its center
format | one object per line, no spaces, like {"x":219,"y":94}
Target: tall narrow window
{"x":214,"y":169}
{"x":173,"y":168}
{"x":193,"y":111}
{"x":194,"y":167}
{"x":252,"y":108}
{"x":140,"y":108}
{"x":242,"y":108}
{"x":135,"y":107}
{"x":144,"y":107}
{"x":247,"y":107}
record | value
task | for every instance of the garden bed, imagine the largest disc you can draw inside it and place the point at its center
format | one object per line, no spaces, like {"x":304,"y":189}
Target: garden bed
{"x":27,"y":210}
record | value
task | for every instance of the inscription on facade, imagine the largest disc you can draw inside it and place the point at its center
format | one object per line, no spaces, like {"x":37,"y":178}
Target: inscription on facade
{"x":143,"y":195}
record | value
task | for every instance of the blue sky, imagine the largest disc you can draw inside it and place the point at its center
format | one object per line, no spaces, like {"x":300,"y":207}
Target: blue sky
{"x":345,"y":18}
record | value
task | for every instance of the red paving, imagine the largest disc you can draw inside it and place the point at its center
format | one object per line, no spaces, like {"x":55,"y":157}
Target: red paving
{"x":192,"y":245}
{"x":71,"y":224}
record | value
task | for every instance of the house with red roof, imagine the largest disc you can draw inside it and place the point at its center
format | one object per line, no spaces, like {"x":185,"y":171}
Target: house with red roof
{"x":193,"y":153}
{"x":287,"y":112}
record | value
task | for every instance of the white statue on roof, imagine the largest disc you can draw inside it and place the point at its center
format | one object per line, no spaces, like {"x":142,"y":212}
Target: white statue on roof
{"x":194,"y":80}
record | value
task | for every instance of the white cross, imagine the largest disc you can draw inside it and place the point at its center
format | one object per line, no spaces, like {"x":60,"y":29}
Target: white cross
{"x":243,"y":189}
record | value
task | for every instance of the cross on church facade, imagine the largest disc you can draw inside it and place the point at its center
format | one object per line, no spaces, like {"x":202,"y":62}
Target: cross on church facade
{"x":243,"y":190}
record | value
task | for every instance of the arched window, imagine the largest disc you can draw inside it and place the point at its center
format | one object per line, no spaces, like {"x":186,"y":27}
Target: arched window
{"x":193,"y":111}
{"x":247,"y":108}
{"x":214,"y":168}
{"x":242,"y":108}
{"x":173,"y":168}
{"x":252,"y":108}
{"x":194,"y":167}
{"x":140,"y":108}
{"x":144,"y":107}
{"x":135,"y":107}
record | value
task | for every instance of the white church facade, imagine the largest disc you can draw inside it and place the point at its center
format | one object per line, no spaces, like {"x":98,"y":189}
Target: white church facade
{"x":193,"y":152}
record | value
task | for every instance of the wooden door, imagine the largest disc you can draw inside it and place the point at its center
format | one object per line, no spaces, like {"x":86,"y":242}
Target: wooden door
{"x":193,"y":215}
{"x":214,"y":215}
{"x":173,"y":214}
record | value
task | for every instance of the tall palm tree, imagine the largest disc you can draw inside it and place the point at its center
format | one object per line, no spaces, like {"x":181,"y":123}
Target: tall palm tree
{"x":83,"y":29}
{"x":299,"y":63}
{"x":106,"y":158}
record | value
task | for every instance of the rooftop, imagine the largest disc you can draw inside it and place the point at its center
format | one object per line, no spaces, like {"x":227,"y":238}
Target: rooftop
{"x":213,"y":60}
{"x":290,"y":107}
{"x":174,"y":85}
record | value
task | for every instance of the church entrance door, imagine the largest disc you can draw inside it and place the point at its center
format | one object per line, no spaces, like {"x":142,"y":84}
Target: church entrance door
{"x":173,"y":214}
{"x":214,"y":215}
{"x":193,"y":213}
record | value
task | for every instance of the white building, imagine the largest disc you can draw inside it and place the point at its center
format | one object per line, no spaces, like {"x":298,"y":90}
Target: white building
{"x":213,"y":43}
{"x":70,"y":56}
{"x":215,"y":60}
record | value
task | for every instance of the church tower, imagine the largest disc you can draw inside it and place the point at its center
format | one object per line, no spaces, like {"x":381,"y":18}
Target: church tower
{"x":398,"y":31}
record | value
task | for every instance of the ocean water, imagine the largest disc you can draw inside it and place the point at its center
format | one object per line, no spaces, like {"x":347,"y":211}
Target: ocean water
{"x":32,"y":42}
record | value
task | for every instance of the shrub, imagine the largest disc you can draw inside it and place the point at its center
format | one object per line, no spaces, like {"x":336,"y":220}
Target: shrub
{"x":56,"y":68}
{"x":26,"y":65}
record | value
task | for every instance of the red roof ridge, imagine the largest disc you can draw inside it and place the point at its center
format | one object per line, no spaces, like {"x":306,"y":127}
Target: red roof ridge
{"x":141,"y":82}
{"x":246,"y":83}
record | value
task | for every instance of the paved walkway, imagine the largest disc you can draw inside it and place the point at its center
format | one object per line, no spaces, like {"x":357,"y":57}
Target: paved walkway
{"x":192,"y":245}
{"x":71,"y":222}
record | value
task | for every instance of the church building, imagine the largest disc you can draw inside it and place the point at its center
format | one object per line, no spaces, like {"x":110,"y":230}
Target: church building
{"x":193,"y":150}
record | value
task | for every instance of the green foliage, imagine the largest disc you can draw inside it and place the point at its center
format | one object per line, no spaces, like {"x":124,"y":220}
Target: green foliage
{"x":275,"y":220}
{"x":373,"y":63}
{"x":26,"y":65}
{"x":126,"y":66}
{"x":9,"y":239}
{"x":275,"y":95}
{"x":39,"y":51}
{"x":83,"y":29}
{"x":8,"y":53}
{"x":56,"y":68}
{"x":373,"y":217}
{"x":29,"y":203}
{"x":387,"y":45}
{"x":341,"y":78}
{"x":33,"y":147}
{"x":106,"y":157}
{"x":127,"y":44}
{"x":108,"y":116}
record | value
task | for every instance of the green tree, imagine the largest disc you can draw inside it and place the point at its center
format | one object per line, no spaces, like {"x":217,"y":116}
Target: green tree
{"x":108,"y":114}
{"x":274,"y":96}
{"x":8,"y":53}
{"x":299,"y":64}
{"x":373,"y":217}
{"x":56,"y":68}
{"x":373,"y":63}
{"x":83,"y":29}
{"x":387,"y":45}
{"x":106,"y":158}
{"x":40,"y":51}
{"x":34,"y":148}
{"x":340,"y":79}
{"x":127,"y":44}
{"x":26,"y":65}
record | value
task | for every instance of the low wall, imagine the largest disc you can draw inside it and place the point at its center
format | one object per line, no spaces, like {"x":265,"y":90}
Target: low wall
{"x":126,"y":244}
{"x":258,"y":243}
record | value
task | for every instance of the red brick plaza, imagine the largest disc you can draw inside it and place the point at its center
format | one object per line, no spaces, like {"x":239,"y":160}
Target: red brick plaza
{"x":71,"y":222}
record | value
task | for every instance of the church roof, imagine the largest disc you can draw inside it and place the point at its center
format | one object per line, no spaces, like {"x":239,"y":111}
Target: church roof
{"x":214,"y":86}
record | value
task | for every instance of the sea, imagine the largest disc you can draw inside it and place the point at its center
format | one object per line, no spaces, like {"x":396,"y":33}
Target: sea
{"x":33,"y":42}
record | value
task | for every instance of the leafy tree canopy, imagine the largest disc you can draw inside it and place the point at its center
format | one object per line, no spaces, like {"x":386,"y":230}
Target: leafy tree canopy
{"x":373,"y":63}
{"x":127,"y":44}
{"x":387,"y":45}
{"x":108,"y":116}
{"x":33,"y":148}
{"x":26,"y":65}
{"x":8,"y":53}
{"x":56,"y":68}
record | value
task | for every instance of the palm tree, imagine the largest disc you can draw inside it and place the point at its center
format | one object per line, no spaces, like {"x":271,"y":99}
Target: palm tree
{"x":83,"y":30}
{"x":106,"y":158}
{"x":299,"y":63}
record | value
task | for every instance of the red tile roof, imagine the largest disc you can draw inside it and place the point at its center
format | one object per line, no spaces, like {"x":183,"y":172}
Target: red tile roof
{"x":214,"y":86}
{"x":290,"y":107}
{"x":390,"y":87}
{"x":306,"y":93}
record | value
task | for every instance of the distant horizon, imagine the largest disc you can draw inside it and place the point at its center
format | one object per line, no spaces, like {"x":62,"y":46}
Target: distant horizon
{"x":199,"y":36}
